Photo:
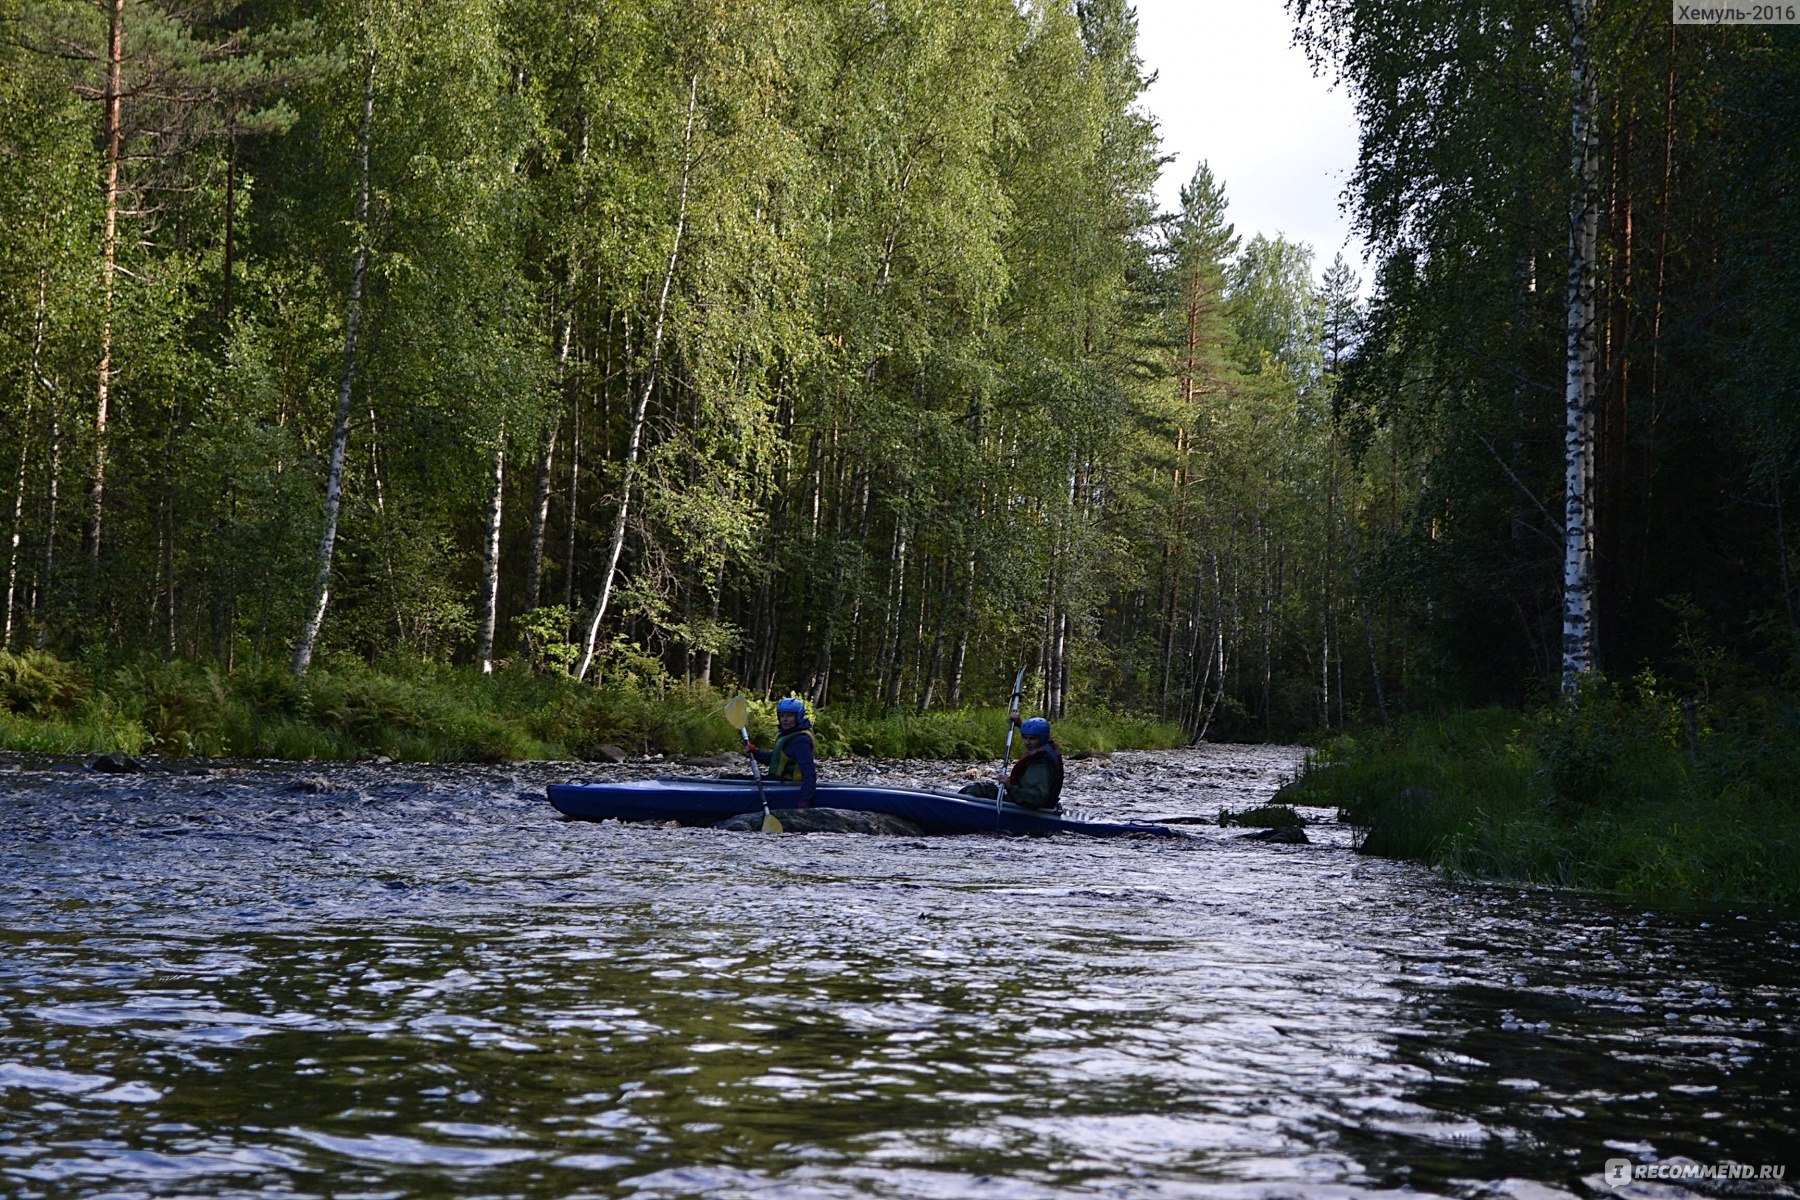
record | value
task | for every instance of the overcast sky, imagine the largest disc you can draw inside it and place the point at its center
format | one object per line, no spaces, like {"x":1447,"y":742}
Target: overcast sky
{"x":1233,"y":90}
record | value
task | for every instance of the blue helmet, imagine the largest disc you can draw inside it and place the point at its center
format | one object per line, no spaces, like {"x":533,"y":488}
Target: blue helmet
{"x":792,"y":704}
{"x":1036,"y":727}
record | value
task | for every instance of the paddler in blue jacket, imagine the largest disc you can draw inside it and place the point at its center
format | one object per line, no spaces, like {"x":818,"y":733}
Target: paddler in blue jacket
{"x":791,"y":759}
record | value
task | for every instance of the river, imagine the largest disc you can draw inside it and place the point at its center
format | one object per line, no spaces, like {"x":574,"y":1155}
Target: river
{"x":401,"y":981}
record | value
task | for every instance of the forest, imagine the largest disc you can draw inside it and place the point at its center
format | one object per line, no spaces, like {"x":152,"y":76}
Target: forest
{"x":839,"y":348}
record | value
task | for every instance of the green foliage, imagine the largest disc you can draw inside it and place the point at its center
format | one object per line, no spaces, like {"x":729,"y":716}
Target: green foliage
{"x":967,"y":735}
{"x":41,"y":685}
{"x":859,"y":325}
{"x":183,"y":708}
{"x":857,"y":320}
{"x":95,"y":730}
{"x":1414,"y":786}
{"x":1480,"y":795}
{"x":1277,"y":311}
{"x":544,"y":633}
{"x":1605,"y":746}
{"x":412,"y":709}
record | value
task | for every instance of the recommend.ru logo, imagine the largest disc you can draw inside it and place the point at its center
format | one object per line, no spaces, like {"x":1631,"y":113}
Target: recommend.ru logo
{"x":1621,"y":1171}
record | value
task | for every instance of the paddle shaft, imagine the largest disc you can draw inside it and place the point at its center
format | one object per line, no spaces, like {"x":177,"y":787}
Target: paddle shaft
{"x":1012,"y":723}
{"x":755,"y":771}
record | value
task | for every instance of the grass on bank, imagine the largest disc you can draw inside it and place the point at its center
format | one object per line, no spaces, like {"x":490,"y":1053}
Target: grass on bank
{"x":423,"y":712}
{"x":1625,"y":791}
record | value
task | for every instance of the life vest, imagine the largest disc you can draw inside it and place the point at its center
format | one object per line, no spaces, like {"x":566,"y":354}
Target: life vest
{"x":1050,"y":755}
{"x":781,"y":766}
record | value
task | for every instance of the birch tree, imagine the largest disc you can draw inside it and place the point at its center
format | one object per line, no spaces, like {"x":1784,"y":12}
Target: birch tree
{"x":635,"y":437}
{"x":48,"y":209}
{"x":1578,"y":394}
{"x":346,"y":382}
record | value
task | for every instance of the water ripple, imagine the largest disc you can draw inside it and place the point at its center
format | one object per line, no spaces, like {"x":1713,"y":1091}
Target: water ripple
{"x":417,"y":981}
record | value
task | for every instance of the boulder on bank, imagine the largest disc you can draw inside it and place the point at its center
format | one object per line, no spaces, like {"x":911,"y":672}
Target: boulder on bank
{"x":605,"y":754}
{"x":117,"y":764}
{"x":825,"y":820}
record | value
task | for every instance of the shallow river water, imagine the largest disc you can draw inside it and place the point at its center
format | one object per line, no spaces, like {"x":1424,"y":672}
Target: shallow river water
{"x":416,"y":982}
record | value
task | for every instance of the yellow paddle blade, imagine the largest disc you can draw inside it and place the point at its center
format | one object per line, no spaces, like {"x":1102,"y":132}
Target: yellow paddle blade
{"x":770,"y":824}
{"x":737,"y":710}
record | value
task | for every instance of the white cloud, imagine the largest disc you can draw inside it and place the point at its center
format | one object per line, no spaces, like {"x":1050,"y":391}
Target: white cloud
{"x":1234,"y":90}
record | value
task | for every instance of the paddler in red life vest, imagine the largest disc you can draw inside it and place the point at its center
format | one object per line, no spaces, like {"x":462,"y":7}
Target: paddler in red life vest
{"x":1036,"y":779}
{"x":791,"y":759}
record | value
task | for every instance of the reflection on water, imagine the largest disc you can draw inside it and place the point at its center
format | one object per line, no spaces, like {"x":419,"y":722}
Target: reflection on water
{"x":420,"y":982}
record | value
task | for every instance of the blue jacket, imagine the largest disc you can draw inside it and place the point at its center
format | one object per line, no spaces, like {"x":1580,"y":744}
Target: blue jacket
{"x":791,"y":759}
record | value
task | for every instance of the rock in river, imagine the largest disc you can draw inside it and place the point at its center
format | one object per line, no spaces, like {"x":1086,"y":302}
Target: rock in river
{"x":117,"y":764}
{"x":1281,"y":835}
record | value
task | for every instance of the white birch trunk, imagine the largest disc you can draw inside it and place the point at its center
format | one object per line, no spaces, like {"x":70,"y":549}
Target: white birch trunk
{"x":109,"y":261}
{"x":18,"y":521}
{"x":959,"y":657}
{"x":490,"y":567}
{"x":540,"y":515}
{"x":18,"y":517}
{"x":40,"y":597}
{"x":340,"y":434}
{"x":540,"y":504}
{"x":1578,"y":414}
{"x":635,"y":441}
{"x":575,"y":494}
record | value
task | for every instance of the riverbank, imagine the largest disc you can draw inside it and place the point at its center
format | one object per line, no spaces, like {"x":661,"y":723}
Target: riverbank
{"x":345,"y":710}
{"x":1627,"y":792}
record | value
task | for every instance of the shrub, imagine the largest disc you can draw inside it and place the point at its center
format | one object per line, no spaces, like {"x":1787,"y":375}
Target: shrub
{"x":1600,"y":795}
{"x":477,"y":737}
{"x":1606,"y":747}
{"x":41,"y":685}
{"x":184,"y":707}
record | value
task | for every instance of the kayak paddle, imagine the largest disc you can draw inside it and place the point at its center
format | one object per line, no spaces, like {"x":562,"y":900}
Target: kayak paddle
{"x":1012,"y":723}
{"x":737,"y":711}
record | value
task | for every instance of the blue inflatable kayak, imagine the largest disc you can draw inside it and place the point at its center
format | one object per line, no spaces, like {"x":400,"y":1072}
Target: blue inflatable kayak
{"x":699,"y":800}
